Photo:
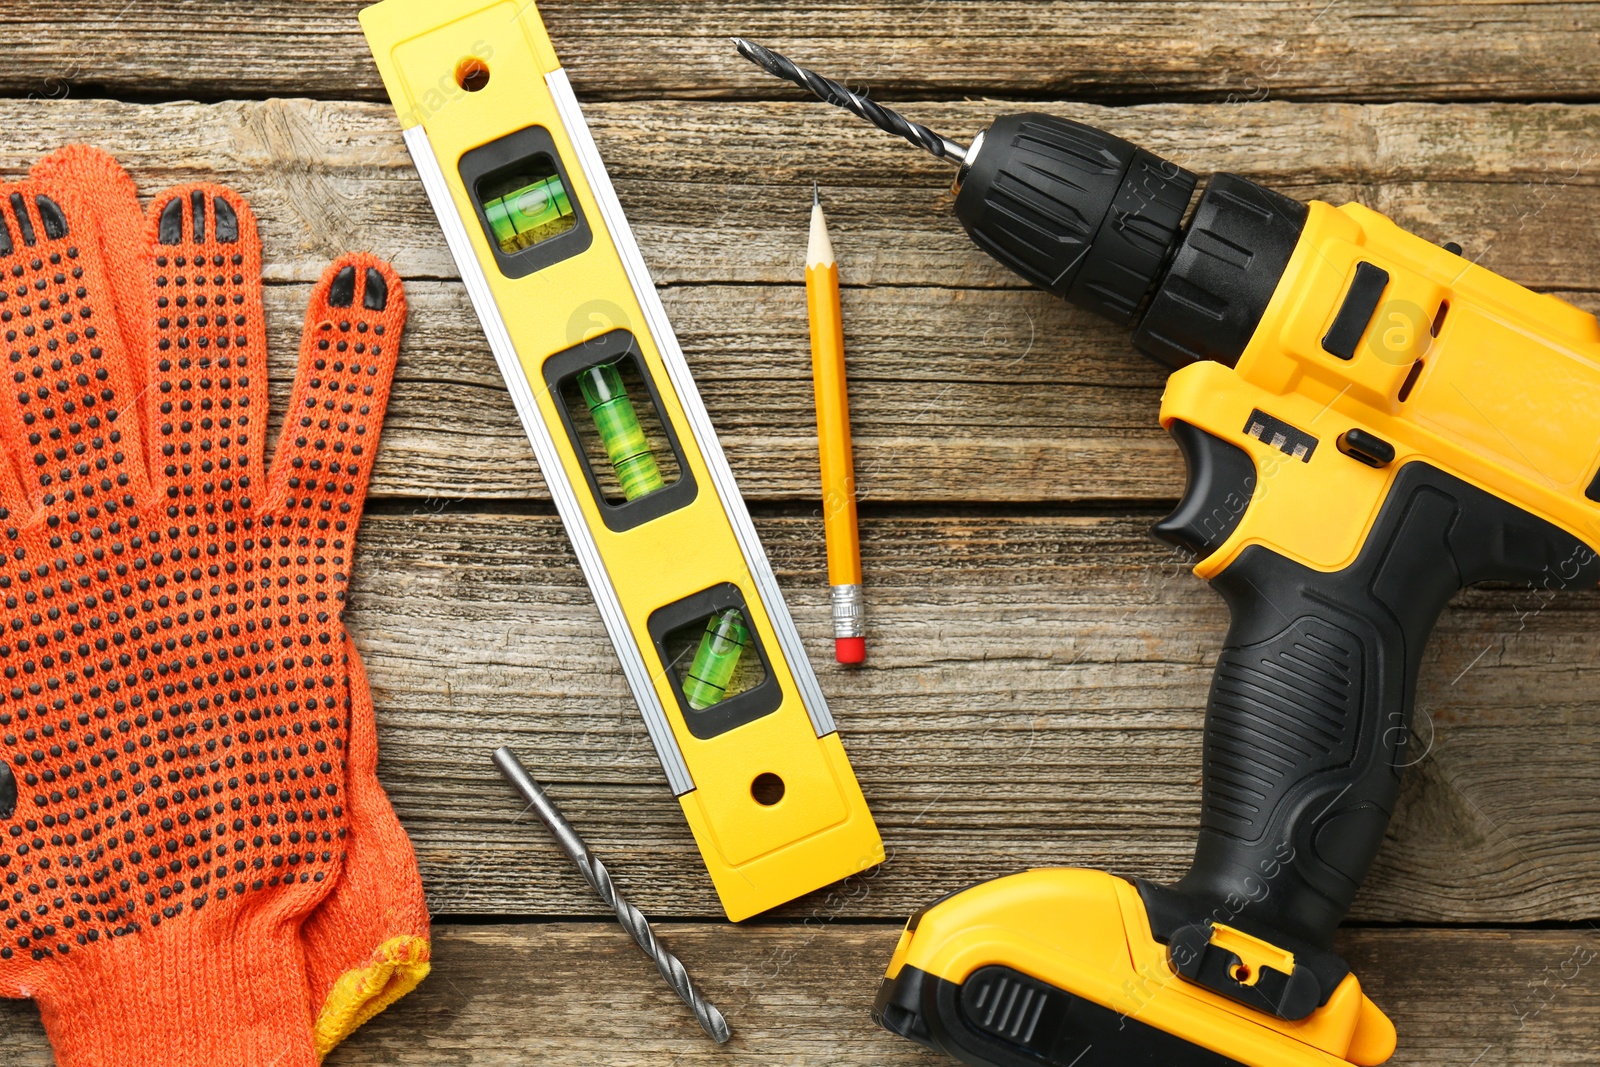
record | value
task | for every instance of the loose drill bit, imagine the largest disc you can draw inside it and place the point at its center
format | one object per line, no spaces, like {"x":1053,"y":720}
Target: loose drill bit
{"x":834,"y":93}
{"x":594,"y":872}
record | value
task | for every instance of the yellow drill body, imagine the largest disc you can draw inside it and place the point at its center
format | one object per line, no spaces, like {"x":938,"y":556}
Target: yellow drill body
{"x":1505,"y":395}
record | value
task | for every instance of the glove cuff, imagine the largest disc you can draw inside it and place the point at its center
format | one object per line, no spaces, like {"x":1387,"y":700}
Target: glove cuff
{"x":222,"y":986}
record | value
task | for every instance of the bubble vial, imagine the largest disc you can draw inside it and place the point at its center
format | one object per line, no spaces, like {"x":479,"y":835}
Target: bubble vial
{"x":617,"y":422}
{"x":715,"y":661}
{"x":536,"y":212}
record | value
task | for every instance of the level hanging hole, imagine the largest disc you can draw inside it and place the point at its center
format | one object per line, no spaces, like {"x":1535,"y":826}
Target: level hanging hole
{"x":472,"y":74}
{"x":767,"y":788}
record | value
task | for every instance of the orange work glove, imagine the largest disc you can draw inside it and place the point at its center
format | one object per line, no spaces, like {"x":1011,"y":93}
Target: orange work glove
{"x":177,"y":709}
{"x":367,"y":945}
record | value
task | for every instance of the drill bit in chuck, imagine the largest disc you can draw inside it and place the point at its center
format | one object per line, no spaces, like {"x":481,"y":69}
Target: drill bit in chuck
{"x":594,"y":872}
{"x":837,"y":95}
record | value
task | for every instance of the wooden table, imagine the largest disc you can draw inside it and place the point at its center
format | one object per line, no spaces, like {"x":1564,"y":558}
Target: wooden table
{"x":1038,"y":664}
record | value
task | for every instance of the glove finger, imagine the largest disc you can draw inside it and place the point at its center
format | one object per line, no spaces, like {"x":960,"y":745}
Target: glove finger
{"x":91,"y":183}
{"x":330,"y":431}
{"x":67,"y":416}
{"x":207,"y":404}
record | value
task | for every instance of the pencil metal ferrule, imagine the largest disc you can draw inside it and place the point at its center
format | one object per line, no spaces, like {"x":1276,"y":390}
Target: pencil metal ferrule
{"x":849,"y":613}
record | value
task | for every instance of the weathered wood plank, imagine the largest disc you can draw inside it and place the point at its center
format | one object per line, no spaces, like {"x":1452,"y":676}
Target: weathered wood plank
{"x":1134,"y":49}
{"x":956,"y":395}
{"x":802,"y":996}
{"x":718,"y":191}
{"x":1019,"y":412}
{"x":965,"y":395}
{"x":799,"y":996}
{"x":1033,"y":696}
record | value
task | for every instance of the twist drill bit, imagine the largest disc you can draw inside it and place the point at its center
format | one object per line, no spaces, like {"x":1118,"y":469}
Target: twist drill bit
{"x":837,"y":95}
{"x":594,"y":872}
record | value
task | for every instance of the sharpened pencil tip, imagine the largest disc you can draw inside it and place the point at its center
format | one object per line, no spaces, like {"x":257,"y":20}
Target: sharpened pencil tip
{"x":819,"y":248}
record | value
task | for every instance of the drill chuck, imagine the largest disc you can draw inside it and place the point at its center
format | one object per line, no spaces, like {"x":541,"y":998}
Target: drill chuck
{"x":1074,"y":210}
{"x":1100,"y":223}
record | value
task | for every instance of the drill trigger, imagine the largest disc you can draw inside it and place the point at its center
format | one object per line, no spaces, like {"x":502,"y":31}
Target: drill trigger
{"x":1222,"y":479}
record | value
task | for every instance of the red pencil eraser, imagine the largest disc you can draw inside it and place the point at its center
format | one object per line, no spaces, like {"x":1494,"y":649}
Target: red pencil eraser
{"x":849,"y":649}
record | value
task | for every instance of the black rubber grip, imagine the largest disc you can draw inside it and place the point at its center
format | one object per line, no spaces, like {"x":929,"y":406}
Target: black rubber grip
{"x":1310,"y":707}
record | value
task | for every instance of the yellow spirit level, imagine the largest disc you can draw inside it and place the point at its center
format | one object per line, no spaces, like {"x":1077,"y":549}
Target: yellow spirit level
{"x":624,"y":442}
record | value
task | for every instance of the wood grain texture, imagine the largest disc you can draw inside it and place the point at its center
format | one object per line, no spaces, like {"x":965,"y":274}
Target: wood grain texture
{"x":1033,"y":696}
{"x":956,"y":396}
{"x":1128,"y":50}
{"x":964,"y":387}
{"x":1020,"y":412}
{"x":1038,"y":665}
{"x":576,"y":995}
{"x":718,"y":191}
{"x":802,"y":996}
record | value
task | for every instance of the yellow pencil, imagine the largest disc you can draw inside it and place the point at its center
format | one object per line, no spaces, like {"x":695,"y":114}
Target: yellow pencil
{"x":833,"y":441}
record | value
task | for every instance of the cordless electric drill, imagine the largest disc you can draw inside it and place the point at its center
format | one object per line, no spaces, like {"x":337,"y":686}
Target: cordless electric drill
{"x":1370,"y":423}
